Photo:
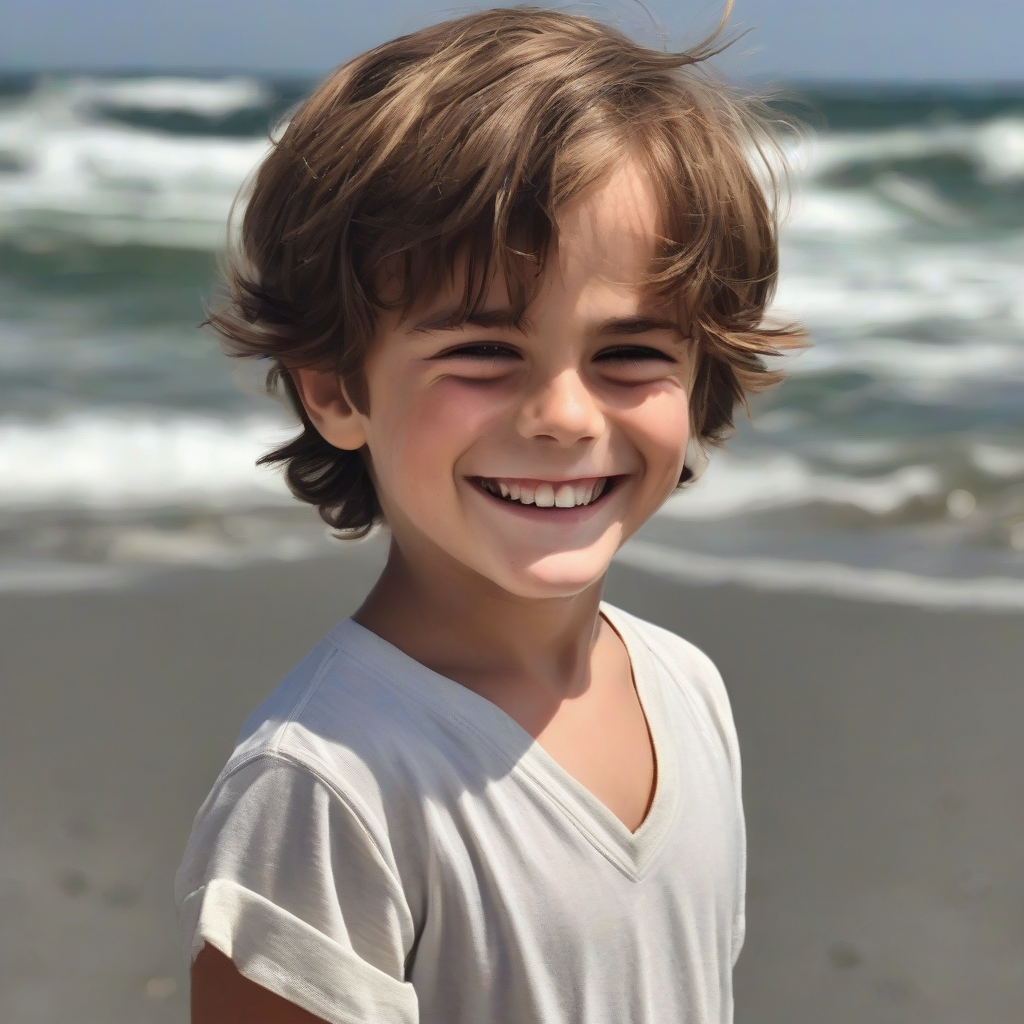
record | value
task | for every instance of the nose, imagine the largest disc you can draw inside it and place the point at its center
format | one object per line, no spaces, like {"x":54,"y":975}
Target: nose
{"x":563,"y":409}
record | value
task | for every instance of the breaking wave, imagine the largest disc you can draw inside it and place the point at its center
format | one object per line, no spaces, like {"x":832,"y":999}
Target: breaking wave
{"x":903,"y":253}
{"x":87,"y":158}
{"x":105,"y":460}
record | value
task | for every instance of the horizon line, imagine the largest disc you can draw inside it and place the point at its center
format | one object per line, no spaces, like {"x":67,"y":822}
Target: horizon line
{"x":312,"y":74}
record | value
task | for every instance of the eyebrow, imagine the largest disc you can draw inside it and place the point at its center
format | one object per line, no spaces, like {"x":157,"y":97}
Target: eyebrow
{"x":452,"y":320}
{"x":626,"y":325}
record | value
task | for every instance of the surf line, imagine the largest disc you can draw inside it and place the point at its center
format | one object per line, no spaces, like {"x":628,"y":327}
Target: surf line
{"x":991,"y":594}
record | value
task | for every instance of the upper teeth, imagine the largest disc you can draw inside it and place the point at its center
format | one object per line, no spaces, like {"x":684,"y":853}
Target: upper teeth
{"x":545,"y":495}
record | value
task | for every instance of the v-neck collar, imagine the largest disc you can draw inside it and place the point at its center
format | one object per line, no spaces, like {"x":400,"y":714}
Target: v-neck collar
{"x":631,"y":852}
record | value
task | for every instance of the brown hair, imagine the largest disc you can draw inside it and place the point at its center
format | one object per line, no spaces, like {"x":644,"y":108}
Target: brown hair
{"x":463,"y":141}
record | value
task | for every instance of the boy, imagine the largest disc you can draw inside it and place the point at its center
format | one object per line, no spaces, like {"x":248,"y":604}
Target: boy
{"x":510,"y":269}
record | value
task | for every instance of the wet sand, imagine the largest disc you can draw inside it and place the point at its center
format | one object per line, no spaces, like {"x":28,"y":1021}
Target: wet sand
{"x":884,"y":782}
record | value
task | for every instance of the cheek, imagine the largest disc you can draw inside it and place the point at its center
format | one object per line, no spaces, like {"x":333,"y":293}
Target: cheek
{"x":422,"y":433}
{"x":660,"y":427}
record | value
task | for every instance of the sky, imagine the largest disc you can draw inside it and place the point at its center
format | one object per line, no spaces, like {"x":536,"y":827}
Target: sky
{"x":917,"y":40}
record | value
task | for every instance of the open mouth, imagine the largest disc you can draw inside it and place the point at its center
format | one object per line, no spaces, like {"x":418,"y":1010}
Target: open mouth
{"x":546,"y":494}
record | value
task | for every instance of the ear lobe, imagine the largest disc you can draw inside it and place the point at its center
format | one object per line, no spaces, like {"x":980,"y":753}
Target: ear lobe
{"x":328,"y":407}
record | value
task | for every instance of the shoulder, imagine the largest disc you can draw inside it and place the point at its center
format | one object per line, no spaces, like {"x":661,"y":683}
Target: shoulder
{"x":272,"y":802}
{"x":341,"y":691}
{"x":313,"y":768}
{"x":370,"y":723}
{"x":687,"y":670}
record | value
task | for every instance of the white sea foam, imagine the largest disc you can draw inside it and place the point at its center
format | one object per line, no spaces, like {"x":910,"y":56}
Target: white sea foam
{"x":114,"y":184}
{"x":136,"y":551}
{"x":856,"y":289}
{"x":858,"y":269}
{"x":993,"y":594}
{"x":207,"y":97}
{"x":918,"y":361}
{"x":733,"y":486}
{"x":998,"y":461}
{"x":105,"y":460}
{"x":117,"y":184}
{"x":817,"y":212}
{"x":921,"y":198}
{"x":861,"y":454}
{"x":996,"y":148}
{"x":999,"y":147}
{"x":832,"y":301}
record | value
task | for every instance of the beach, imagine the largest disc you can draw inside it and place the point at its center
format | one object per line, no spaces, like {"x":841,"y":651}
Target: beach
{"x":883,"y":777}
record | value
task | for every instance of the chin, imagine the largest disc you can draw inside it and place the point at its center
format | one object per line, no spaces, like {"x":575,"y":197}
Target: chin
{"x":565,"y":574}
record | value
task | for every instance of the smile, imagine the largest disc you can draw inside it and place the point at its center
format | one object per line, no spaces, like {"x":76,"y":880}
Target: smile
{"x":546,"y":494}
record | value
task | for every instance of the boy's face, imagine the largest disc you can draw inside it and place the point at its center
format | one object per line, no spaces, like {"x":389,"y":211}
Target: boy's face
{"x":581,"y":412}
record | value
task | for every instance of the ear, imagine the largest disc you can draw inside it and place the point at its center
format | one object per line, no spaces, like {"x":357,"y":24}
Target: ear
{"x":329,"y":408}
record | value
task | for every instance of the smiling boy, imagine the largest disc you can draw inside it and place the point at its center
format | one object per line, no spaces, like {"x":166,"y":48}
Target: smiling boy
{"x":512,"y":269}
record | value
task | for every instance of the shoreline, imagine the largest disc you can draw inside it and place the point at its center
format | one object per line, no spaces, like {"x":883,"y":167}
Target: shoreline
{"x":800,"y":577}
{"x":882,"y":767}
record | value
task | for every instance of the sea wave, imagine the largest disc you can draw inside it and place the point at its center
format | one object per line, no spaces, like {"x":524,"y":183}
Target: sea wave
{"x":856,"y":289}
{"x":110,"y":460}
{"x":995,"y":147}
{"x":66,"y":169}
{"x":123,"y":459}
{"x":897,"y":441}
{"x":64,"y":176}
{"x":213,"y":98}
{"x":824,"y":213}
{"x":735,"y":486}
{"x":988,"y":593}
{"x":896,"y":358}
{"x":998,"y":461}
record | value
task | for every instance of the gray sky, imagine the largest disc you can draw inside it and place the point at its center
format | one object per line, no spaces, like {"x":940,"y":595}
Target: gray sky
{"x":966,"y":40}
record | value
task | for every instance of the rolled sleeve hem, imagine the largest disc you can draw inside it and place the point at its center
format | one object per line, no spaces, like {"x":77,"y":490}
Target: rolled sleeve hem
{"x":284,"y":954}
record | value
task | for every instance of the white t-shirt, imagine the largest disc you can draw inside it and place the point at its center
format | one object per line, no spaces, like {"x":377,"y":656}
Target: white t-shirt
{"x":386,"y":846}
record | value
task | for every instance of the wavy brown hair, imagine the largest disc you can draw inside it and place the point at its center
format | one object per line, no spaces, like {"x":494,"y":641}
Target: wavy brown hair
{"x":458,"y":145}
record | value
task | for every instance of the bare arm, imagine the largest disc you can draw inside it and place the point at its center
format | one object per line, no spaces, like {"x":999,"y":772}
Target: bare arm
{"x":220,"y":995}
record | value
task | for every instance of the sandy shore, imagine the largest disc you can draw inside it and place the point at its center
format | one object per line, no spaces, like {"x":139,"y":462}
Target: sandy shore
{"x":884,"y":787}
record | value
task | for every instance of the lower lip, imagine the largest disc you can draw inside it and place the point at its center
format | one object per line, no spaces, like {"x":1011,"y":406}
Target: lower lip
{"x":551,"y":513}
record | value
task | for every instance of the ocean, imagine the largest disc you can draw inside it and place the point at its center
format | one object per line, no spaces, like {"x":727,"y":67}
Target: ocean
{"x":889,"y":465}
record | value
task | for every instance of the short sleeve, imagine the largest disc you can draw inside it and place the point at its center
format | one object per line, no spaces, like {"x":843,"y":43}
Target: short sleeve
{"x":281,"y":875}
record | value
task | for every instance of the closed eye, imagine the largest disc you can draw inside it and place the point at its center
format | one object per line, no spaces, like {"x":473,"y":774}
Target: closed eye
{"x":479,"y":350}
{"x":632,"y":355}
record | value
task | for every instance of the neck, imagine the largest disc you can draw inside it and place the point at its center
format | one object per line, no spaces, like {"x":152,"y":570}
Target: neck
{"x":463,"y":626}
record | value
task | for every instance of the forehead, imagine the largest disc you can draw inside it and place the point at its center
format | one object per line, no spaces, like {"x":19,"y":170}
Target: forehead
{"x":614,"y":228}
{"x":605,"y":240}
